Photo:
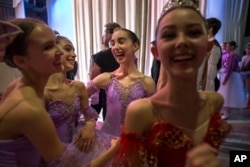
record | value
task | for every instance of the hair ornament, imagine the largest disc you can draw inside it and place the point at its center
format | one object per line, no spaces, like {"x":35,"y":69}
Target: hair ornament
{"x":180,"y":3}
{"x":8,"y":30}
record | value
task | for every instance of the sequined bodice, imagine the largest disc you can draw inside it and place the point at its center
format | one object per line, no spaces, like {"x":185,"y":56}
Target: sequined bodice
{"x":65,"y":117}
{"x":164,"y":144}
{"x":125,"y":94}
{"x":164,"y":138}
{"x":118,"y":98}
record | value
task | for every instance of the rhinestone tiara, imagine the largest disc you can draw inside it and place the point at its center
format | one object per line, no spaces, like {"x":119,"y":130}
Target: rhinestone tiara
{"x":176,"y":3}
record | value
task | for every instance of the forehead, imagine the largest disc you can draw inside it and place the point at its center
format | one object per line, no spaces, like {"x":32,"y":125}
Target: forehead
{"x":182,"y":17}
{"x":64,"y":41}
{"x":40,"y":34}
{"x":120,"y":34}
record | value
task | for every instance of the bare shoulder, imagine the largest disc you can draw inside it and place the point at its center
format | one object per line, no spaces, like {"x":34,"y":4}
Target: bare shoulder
{"x":30,"y":109}
{"x":78,"y":84}
{"x":140,"y":109}
{"x":11,"y":86}
{"x":102,"y":80}
{"x":148,"y":80}
{"x":214,"y":99}
{"x":105,"y":75}
{"x":149,"y":84}
{"x":24,"y":111}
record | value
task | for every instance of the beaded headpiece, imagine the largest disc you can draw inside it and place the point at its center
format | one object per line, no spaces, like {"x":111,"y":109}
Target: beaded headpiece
{"x":177,"y":3}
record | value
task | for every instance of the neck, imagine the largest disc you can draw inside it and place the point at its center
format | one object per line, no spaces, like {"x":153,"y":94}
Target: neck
{"x":37,"y":84}
{"x":182,"y":92}
{"x":127,"y":69}
{"x":63,"y":76}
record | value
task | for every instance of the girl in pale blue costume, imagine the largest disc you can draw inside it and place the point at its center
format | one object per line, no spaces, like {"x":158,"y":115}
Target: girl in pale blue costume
{"x":123,"y":85}
{"x":26,"y":129}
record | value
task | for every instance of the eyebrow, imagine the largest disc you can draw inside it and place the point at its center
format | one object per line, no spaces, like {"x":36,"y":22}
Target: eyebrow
{"x":69,"y":45}
{"x":120,"y":38}
{"x":48,"y":42}
{"x":187,"y":26}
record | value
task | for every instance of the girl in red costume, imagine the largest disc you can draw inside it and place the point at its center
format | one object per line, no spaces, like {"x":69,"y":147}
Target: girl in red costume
{"x":177,"y":126}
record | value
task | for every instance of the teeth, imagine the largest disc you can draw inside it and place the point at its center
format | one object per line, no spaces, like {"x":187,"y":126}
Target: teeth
{"x":182,"y":57}
{"x":118,"y":54}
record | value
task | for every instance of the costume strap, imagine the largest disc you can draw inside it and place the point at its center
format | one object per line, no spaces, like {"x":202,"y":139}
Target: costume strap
{"x":3,"y":114}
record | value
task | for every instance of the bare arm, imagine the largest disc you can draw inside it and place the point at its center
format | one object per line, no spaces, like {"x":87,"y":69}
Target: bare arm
{"x":9,"y":88}
{"x":149,"y":86}
{"x":132,"y":138}
{"x":106,"y":156}
{"x":85,"y":138}
{"x":35,"y":123}
{"x":38,"y":127}
{"x":101,"y":82}
{"x":138,"y":110}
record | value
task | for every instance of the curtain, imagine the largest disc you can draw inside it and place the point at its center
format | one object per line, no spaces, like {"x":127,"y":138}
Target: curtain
{"x":140,"y":16}
{"x":233,"y":17}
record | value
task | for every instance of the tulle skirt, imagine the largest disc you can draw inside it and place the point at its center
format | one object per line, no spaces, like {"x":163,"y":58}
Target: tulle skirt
{"x":72,"y":157}
{"x":233,"y":90}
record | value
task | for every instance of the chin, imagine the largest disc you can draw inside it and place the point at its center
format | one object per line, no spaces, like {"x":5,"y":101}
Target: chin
{"x":185,"y":73}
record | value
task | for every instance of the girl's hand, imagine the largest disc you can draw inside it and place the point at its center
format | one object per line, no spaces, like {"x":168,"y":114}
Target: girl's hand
{"x":114,"y":146}
{"x":202,"y":156}
{"x":85,"y":138}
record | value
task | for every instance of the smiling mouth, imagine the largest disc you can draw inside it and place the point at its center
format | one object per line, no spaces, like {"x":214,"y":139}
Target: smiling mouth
{"x":182,"y":58}
{"x":72,"y":62}
{"x":119,"y":55}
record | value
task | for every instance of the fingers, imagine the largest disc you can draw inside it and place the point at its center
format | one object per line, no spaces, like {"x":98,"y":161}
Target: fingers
{"x":84,"y":145}
{"x":87,"y":145}
{"x":202,"y":156}
{"x":76,"y":138}
{"x":202,"y":149}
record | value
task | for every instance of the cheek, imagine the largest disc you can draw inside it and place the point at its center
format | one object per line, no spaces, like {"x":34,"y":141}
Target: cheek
{"x":63,"y":57}
{"x":203,"y":47}
{"x":202,"y":51}
{"x":72,"y":54}
{"x":166,"y":54}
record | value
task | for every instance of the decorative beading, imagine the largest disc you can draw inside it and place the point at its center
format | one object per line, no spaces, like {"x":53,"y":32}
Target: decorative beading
{"x":176,"y":3}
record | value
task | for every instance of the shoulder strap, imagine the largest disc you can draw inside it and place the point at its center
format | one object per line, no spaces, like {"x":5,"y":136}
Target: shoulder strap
{"x":2,"y":114}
